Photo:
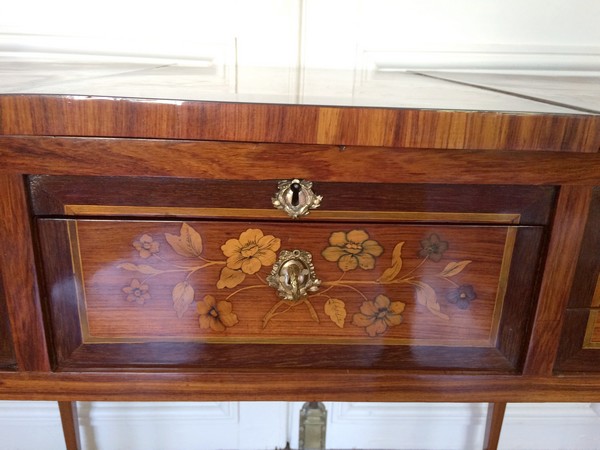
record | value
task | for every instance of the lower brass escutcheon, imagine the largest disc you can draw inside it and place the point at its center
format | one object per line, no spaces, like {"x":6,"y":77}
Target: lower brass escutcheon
{"x":293,"y":275}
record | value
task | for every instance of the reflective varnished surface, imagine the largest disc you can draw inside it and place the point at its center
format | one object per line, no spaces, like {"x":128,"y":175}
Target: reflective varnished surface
{"x":532,"y":162}
{"x":417,"y":285}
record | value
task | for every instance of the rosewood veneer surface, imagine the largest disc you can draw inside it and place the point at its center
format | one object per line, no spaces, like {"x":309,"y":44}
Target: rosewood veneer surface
{"x":456,"y":240}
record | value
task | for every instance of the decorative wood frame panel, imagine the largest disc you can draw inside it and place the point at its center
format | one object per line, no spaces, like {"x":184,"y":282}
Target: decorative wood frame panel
{"x":76,"y":348}
{"x":580,"y":344}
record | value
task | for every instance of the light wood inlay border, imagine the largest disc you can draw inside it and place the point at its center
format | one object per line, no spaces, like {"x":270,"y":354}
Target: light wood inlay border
{"x":248,"y":213}
{"x":511,"y":237}
{"x":588,"y":341}
{"x":490,"y":342}
{"x":596,"y":297}
{"x":76,"y":263}
{"x":589,"y":330}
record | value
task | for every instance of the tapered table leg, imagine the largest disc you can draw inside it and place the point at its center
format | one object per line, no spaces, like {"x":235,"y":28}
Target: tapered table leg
{"x":493,"y":426}
{"x":70,"y":424}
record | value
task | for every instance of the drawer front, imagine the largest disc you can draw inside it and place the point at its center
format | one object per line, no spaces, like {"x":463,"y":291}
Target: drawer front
{"x":200,"y":198}
{"x":7,"y":357}
{"x":196,"y":293}
{"x":580,"y":341}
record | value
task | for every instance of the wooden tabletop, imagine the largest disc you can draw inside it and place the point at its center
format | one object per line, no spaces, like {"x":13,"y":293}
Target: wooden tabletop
{"x":395,"y":89}
{"x":142,"y":99}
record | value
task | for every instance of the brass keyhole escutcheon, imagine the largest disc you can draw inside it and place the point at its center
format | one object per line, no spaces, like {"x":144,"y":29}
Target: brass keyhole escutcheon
{"x":296,"y":197}
{"x":293,"y":275}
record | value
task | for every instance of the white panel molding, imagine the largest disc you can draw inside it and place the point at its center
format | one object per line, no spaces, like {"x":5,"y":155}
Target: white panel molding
{"x":546,"y":426}
{"x":97,"y":412}
{"x":564,"y":426}
{"x":148,"y":425}
{"x":492,"y":58}
{"x":407,"y":425}
{"x":30,"y":425}
{"x":357,"y":413}
{"x":214,"y":425}
{"x":196,"y":53}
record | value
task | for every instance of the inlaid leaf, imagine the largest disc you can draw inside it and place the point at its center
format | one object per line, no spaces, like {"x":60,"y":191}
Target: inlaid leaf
{"x":336,"y":310}
{"x":230,"y":278}
{"x":312,"y":311}
{"x":454,"y":268}
{"x":142,"y":268}
{"x":392,"y":272}
{"x":183,"y":296}
{"x":427,"y":297}
{"x":188,"y":243}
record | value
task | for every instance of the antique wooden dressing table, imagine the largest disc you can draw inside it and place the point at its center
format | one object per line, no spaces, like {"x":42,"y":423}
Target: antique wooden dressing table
{"x":149,"y":251}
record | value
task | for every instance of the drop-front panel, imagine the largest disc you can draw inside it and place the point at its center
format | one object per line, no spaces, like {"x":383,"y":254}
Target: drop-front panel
{"x":446,"y":283}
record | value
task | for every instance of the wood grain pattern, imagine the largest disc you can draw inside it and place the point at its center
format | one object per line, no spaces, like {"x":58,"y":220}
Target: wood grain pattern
{"x":115,"y":196}
{"x":580,"y":337}
{"x":517,"y":319}
{"x":375,"y":149}
{"x":493,"y":428}
{"x":296,"y":385}
{"x":105,"y":246}
{"x":564,"y":246}
{"x":19,"y":276}
{"x":63,"y":314}
{"x":235,"y":161}
{"x":110,"y":243}
{"x":70,"y":424}
{"x":573,"y":356}
{"x":7,"y":356}
{"x":121,"y":117}
{"x":586,"y":288}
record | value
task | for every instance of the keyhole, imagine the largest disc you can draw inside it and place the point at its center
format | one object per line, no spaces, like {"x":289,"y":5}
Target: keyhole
{"x":296,"y":188}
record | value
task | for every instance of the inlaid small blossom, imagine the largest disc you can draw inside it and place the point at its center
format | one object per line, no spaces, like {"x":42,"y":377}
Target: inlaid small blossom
{"x":137,"y":292}
{"x":433,"y":247}
{"x":378,"y":315}
{"x":462,"y":296}
{"x":351,"y":250}
{"x":251,"y":251}
{"x":217,"y":316}
{"x":146,"y":246}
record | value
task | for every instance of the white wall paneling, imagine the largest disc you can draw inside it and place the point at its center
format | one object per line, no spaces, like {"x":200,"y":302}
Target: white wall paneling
{"x":387,"y":34}
{"x":148,"y":426}
{"x":269,"y":425}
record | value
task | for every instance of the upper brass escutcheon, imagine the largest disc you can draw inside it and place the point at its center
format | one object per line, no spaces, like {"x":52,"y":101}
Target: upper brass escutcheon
{"x":296,"y":197}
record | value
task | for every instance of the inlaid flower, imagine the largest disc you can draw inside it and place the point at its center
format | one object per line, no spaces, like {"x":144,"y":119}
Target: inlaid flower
{"x":251,"y":251}
{"x":378,"y":315}
{"x":146,"y":246}
{"x":351,"y":250}
{"x":137,"y":292}
{"x":214,"y":315}
{"x":433,"y":247}
{"x":462,"y":296}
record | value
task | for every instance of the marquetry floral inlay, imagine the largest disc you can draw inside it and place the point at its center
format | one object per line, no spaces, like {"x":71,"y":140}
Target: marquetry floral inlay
{"x":352,"y":250}
{"x":378,"y":315}
{"x":216,"y":315}
{"x":244,"y":257}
